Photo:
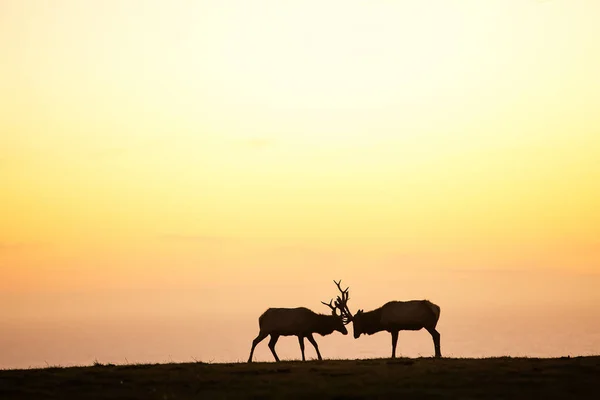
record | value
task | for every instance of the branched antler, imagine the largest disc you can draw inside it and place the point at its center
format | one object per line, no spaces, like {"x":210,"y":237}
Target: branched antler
{"x":342,"y":302}
{"x":333,"y":307}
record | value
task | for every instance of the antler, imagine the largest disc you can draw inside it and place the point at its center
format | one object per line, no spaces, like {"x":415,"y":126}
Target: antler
{"x":333,"y":308}
{"x":342,"y":302}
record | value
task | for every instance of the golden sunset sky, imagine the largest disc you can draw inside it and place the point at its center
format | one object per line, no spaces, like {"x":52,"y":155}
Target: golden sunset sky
{"x":175,"y":157}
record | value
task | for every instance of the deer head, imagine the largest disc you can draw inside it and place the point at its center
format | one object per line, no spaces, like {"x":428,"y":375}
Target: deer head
{"x":341,"y":320}
{"x":341,"y":303}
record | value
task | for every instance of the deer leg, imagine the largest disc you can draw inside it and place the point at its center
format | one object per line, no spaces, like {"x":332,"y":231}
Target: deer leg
{"x":272,"y":343}
{"x":394,"y":342}
{"x":311,"y":339}
{"x":436,"y":341}
{"x":259,"y":338}
{"x":301,"y":341}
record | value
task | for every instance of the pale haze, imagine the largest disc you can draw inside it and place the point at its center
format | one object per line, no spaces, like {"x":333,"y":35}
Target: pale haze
{"x":169,"y":170}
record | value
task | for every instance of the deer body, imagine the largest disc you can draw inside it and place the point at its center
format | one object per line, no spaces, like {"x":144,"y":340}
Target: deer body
{"x":300,"y":322}
{"x":409,"y":315}
{"x":395,"y":316}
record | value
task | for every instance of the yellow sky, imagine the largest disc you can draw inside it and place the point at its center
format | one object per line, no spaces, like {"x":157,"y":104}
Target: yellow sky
{"x":220,"y":144}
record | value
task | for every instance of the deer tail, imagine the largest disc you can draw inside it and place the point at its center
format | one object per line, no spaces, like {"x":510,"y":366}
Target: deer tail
{"x":435,"y":309}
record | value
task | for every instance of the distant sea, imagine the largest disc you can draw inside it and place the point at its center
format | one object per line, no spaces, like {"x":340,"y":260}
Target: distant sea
{"x":483,"y":332}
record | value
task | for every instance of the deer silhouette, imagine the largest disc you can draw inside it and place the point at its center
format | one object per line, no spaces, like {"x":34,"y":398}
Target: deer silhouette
{"x":300,"y":322}
{"x":393,"y":317}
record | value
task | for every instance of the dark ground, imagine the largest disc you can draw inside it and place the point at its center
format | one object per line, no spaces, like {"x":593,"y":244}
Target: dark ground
{"x":423,"y":378}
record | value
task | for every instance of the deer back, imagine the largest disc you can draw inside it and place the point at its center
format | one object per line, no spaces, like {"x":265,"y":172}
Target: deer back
{"x":411,"y":314}
{"x":287,"y":320}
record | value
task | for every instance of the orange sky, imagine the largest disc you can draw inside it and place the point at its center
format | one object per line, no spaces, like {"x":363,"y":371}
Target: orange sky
{"x":165,"y":157}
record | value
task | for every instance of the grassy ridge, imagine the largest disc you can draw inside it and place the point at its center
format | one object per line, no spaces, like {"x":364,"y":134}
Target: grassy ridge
{"x":514,"y":378}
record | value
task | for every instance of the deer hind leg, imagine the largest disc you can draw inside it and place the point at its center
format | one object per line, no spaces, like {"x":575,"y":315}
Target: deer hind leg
{"x":312,"y":340}
{"x":436,"y":341}
{"x":259,"y":338}
{"x":272,"y":344}
{"x":301,"y":341}
{"x":394,"y":343}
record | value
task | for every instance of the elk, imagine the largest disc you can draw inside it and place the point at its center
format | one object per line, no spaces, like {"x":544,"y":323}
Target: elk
{"x":393,"y":316}
{"x":300,"y":322}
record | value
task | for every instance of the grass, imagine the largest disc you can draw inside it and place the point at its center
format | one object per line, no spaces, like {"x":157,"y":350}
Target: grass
{"x":423,"y":378}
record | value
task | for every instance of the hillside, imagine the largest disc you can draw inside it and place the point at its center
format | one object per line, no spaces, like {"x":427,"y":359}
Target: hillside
{"x":515,"y":378}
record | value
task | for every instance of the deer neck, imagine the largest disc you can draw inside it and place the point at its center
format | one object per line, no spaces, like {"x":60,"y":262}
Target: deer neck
{"x":371,"y":322}
{"x":325,"y":324}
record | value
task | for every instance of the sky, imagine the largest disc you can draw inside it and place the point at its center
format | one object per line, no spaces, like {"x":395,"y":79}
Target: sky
{"x":194,"y":158}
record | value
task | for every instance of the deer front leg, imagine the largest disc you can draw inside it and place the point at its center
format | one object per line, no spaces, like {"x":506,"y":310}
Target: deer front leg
{"x":301,"y":341}
{"x":311,"y":339}
{"x":394,"y":342}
